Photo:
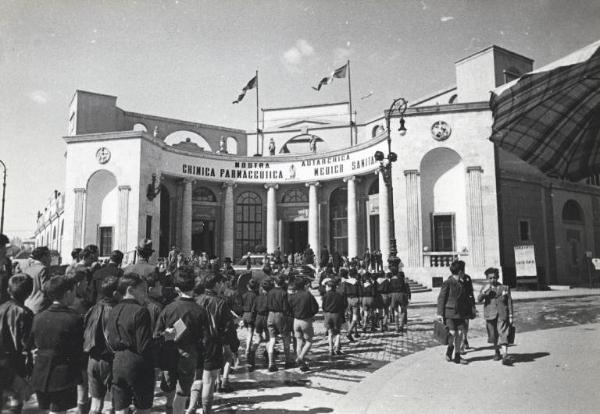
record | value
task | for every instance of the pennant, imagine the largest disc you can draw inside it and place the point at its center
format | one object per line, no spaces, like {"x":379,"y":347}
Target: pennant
{"x":250,"y":85}
{"x":338,"y":73}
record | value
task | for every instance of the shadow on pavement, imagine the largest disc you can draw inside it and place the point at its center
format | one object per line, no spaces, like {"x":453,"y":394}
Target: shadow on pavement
{"x":317,"y":410}
{"x":518,"y":358}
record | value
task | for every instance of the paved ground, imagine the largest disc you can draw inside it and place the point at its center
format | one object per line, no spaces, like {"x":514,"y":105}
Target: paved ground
{"x":330,"y":379}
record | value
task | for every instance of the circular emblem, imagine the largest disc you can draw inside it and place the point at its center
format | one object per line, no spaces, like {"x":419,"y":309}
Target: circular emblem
{"x":103,"y":155}
{"x":440,"y":130}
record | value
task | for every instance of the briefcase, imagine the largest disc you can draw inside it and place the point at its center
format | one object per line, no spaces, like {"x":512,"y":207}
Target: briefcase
{"x":441,"y":332}
{"x":511,"y":335}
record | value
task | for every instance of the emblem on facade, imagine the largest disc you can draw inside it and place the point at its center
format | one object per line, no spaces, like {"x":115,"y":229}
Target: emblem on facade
{"x":103,"y":155}
{"x":440,"y":130}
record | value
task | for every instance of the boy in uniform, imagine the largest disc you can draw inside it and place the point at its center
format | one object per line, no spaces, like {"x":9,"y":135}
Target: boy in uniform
{"x":303,"y":307}
{"x":334,"y":305}
{"x":279,"y":309}
{"x":249,"y":317}
{"x":498,"y":313}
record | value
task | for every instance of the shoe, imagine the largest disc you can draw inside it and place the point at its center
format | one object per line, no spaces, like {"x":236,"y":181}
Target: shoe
{"x":384,"y":328}
{"x":467,"y":346}
{"x":459,"y":360}
{"x":339,"y":352}
{"x":506,"y":360}
{"x":225,"y":388}
{"x":449,"y":352}
{"x":331,"y":353}
{"x":497,"y":356}
{"x":448,"y":358}
{"x":272,"y":368}
{"x":304,"y":367}
{"x":357,"y":335}
{"x":289,"y":365}
{"x":350,"y":338}
{"x":251,"y":368}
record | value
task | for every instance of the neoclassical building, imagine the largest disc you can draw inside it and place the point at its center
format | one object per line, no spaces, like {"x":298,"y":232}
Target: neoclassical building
{"x":225,"y":191}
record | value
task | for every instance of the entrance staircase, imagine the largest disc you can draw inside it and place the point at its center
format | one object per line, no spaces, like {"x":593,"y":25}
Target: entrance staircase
{"x":416,"y":287}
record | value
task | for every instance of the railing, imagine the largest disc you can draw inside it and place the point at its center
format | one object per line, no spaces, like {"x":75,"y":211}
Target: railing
{"x":439,"y":259}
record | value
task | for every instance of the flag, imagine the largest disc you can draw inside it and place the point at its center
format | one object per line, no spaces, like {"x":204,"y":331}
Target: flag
{"x":250,"y":85}
{"x":338,"y":73}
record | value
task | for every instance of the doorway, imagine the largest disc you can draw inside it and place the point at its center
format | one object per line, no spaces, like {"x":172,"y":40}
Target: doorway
{"x":295,"y":235}
{"x":203,"y":236}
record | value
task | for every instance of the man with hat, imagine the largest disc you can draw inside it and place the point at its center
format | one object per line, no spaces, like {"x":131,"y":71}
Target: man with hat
{"x":142,"y":266}
{"x":113,"y":268}
{"x":38,"y":268}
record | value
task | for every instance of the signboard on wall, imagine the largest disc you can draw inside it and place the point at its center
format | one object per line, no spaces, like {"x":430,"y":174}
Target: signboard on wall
{"x":525,"y":261}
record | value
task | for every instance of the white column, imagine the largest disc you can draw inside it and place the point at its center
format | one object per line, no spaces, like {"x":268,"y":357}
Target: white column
{"x":413,"y":218}
{"x":124,"y":191}
{"x":186,"y":230}
{"x":476,"y":236}
{"x":280,"y":234}
{"x":352,"y":217}
{"x":78,"y":217}
{"x":271,"y":217}
{"x":384,"y":220}
{"x":313,"y":216}
{"x":228,"y":220}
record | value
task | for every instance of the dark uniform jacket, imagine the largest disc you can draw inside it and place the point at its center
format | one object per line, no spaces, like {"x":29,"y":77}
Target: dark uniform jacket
{"x":497,"y":302}
{"x":277,"y":301}
{"x":261,"y":306}
{"x":351,"y":287}
{"x":141,"y":268}
{"x":453,"y":300}
{"x":248,"y":299}
{"x":368,"y":287}
{"x":334,"y":302}
{"x":129,"y":329}
{"x":40,"y":274}
{"x":15,"y":340}
{"x":58,"y":336}
{"x":398,"y":284}
{"x":95,"y":330}
{"x":219,"y":312}
{"x":303,"y":305}
{"x":193,"y":316}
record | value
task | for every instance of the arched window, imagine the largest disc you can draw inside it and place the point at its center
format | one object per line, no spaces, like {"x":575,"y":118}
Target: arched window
{"x":294,"y":196}
{"x":248,"y":223}
{"x":203,"y":194}
{"x":232,"y":145}
{"x":453,"y":99}
{"x":377,"y":129}
{"x":140,"y":127}
{"x":338,"y":216}
{"x":572,"y":212}
{"x":374,"y":187}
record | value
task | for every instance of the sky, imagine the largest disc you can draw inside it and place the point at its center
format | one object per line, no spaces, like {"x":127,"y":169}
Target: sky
{"x":189,"y":60}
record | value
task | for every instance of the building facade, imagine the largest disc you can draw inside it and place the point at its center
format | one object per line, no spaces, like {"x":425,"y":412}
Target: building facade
{"x":50,"y":223}
{"x":316,"y":182}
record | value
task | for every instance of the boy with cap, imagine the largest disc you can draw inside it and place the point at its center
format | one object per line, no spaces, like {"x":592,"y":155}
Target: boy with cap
{"x":351,"y":291}
{"x":38,"y":268}
{"x":15,"y":341}
{"x":334,"y":305}
{"x":249,"y":317}
{"x":261,"y":309}
{"x":58,"y":336}
{"x":498,"y":313}
{"x":279,"y":310}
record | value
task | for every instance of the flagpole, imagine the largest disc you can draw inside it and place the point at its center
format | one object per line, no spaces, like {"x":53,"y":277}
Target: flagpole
{"x":257,"y":127}
{"x":350,"y":99}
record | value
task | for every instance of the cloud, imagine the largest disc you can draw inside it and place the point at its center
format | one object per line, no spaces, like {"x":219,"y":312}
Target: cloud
{"x":39,"y":97}
{"x":295,"y":54}
{"x":446,"y":18}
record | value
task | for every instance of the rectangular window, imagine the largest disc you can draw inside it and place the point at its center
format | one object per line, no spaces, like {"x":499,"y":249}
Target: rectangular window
{"x":443,"y":232}
{"x":105,"y":240}
{"x":149,"y":227}
{"x":524,"y":230}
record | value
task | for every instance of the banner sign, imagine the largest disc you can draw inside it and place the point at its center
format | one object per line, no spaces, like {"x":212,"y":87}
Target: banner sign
{"x":525,"y":261}
{"x":292,"y":168}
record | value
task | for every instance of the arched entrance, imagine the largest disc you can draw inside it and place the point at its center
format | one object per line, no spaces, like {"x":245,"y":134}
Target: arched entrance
{"x":443,"y":201}
{"x":338,"y":220}
{"x":101,"y":212}
{"x":248,"y":223}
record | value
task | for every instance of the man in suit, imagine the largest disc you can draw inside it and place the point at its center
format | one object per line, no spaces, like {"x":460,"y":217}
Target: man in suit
{"x":498,"y":313}
{"x":453,"y":307}
{"x":113,"y":268}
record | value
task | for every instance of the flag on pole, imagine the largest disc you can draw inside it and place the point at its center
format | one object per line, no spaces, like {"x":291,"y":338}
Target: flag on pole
{"x":338,"y":73}
{"x":250,"y":85}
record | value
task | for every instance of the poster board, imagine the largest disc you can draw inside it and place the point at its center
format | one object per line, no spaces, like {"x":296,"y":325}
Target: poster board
{"x":525,"y":266}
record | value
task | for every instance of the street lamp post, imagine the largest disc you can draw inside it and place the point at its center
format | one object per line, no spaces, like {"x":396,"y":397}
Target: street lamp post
{"x":397,"y":108}
{"x":3,"y":193}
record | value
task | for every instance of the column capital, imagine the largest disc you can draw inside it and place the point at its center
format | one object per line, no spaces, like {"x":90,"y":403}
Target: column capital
{"x":352,"y":178}
{"x":79,"y":190}
{"x":124,"y":188}
{"x":313,"y":183}
{"x":412,"y":172}
{"x":475,"y":168}
{"x":188,"y":180}
{"x":271,"y":185}
{"x":229,"y":184}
